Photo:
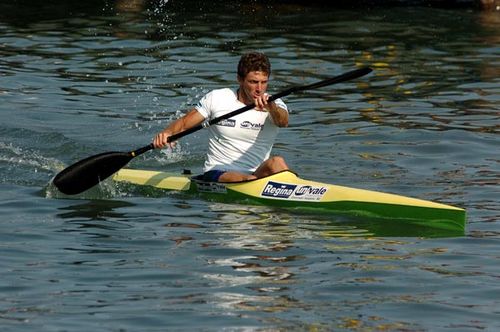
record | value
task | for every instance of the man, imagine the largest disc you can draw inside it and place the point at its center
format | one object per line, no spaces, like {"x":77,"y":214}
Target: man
{"x":239,"y":148}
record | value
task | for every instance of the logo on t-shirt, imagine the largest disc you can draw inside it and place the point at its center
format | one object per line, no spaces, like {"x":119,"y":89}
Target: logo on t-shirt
{"x":251,"y":125}
{"x":227,"y":123}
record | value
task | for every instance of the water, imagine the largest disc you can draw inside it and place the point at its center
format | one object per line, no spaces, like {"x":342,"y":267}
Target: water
{"x":85,"y":78}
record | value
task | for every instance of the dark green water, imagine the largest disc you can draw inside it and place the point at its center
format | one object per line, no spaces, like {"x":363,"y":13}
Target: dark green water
{"x":79,"y":79}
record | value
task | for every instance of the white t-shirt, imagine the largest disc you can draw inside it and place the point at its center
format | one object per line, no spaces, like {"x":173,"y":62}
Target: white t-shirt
{"x":240,"y":143}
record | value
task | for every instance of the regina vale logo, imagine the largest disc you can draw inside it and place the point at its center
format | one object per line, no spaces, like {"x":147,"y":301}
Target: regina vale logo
{"x":293,"y":191}
{"x":251,"y":125}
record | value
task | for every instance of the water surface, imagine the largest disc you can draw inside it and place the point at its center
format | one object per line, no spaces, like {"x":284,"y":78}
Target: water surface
{"x":76,"y":80}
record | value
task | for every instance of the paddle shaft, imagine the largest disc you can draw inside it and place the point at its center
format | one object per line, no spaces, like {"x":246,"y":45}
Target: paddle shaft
{"x":337,"y":79}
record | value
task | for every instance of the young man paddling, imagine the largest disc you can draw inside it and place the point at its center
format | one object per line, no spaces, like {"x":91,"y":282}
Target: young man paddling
{"x":239,"y":148}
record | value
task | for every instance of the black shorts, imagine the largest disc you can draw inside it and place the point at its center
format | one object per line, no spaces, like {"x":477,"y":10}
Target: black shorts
{"x":213,"y":175}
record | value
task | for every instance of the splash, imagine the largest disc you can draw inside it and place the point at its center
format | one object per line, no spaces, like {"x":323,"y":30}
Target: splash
{"x":26,"y":167}
{"x":161,"y":4}
{"x":107,"y":189}
{"x":16,"y":156}
{"x":179,"y":151}
{"x":35,"y":168}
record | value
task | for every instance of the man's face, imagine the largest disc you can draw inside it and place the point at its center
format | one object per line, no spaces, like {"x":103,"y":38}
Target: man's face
{"x":253,"y":85}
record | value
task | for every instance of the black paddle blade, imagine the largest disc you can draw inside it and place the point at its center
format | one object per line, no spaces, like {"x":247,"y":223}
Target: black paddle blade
{"x":88,"y":172}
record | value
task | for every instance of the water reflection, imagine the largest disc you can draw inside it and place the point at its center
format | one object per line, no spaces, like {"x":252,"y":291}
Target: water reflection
{"x":266,"y":269}
{"x":254,"y":265}
{"x":265,"y":260}
{"x":129,"y":6}
{"x":254,"y":223}
{"x":95,"y":210}
{"x":490,"y":22}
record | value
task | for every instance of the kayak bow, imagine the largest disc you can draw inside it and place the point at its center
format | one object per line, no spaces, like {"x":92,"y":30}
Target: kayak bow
{"x":286,"y":189}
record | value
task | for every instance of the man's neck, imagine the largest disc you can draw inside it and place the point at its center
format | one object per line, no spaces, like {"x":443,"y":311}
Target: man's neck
{"x":241,"y":97}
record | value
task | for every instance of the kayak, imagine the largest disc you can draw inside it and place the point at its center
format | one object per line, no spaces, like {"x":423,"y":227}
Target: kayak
{"x":286,"y":189}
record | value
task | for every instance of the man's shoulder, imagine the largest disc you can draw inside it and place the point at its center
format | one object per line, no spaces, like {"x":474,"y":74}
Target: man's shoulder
{"x":222,"y":93}
{"x":217,"y":100}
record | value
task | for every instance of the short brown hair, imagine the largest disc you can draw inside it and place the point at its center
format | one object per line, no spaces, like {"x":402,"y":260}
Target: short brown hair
{"x":253,"y":61}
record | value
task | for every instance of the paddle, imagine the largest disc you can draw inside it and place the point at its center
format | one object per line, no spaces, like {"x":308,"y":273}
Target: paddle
{"x":88,"y":172}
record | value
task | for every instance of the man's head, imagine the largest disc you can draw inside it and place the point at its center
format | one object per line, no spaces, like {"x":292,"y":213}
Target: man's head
{"x":253,"y":61}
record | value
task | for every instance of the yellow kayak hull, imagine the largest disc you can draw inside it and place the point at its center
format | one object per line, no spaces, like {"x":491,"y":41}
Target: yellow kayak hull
{"x":286,"y":189}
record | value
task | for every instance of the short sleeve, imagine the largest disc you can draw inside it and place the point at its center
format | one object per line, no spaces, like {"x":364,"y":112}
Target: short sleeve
{"x":281,"y":104}
{"x":204,"y":106}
